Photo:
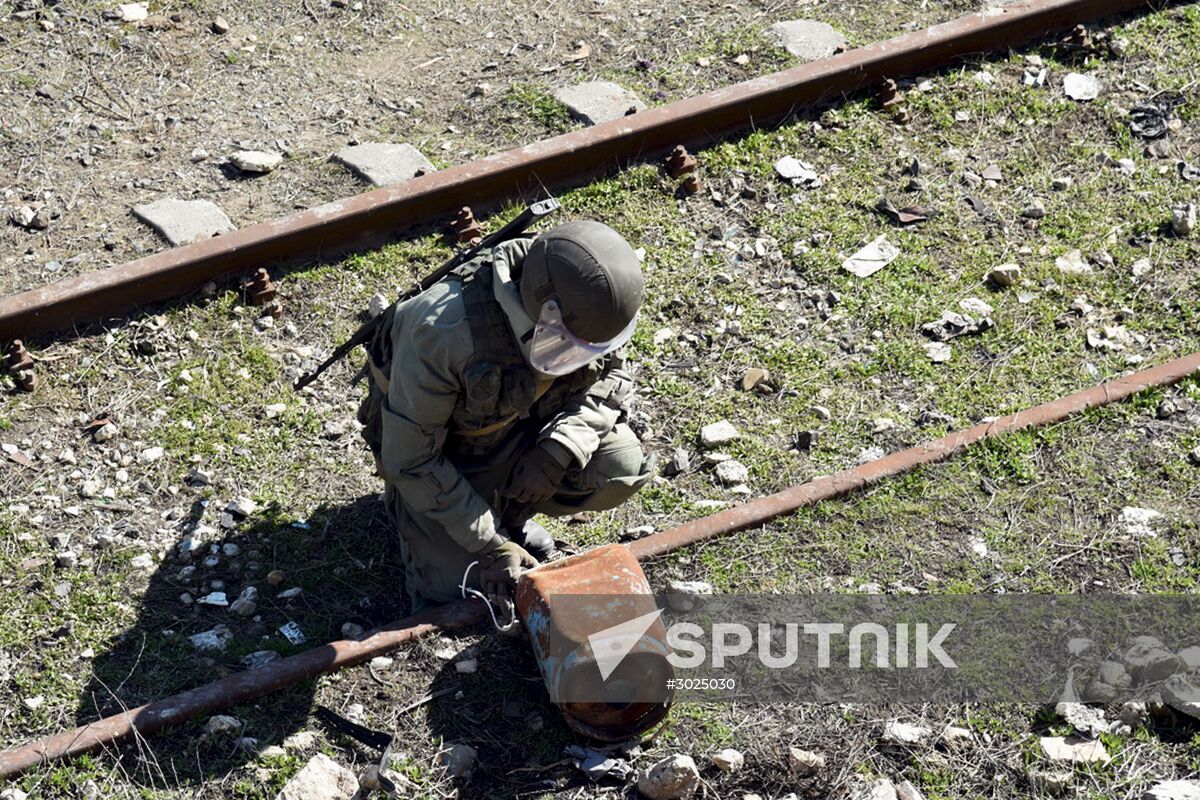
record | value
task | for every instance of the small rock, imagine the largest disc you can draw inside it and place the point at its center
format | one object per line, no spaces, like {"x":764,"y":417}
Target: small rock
{"x":106,"y":432}
{"x":1004,"y":275}
{"x":217,"y":599}
{"x":879,"y":789}
{"x":975,"y":306}
{"x":1183,"y":220}
{"x":377,"y":305}
{"x":220,"y":26}
{"x":352,"y":630}
{"x":182,"y":222}
{"x":222,"y":725}
{"x":35,"y":702}
{"x":256,"y":161}
{"x":66,"y":559}
{"x":938,"y":352}
{"x":903,"y":733}
{"x":1073,"y":750}
{"x":872,"y":258}
{"x":467,"y":666}
{"x":246,"y":603}
{"x":321,"y":779}
{"x":142,"y":561}
{"x":800,"y":173}
{"x":1136,"y":522}
{"x":686,"y":595}
{"x":673,"y":778}
{"x":275,"y":410}
{"x":302,"y":740}
{"x":1158,"y":149}
{"x":753,"y":377}
{"x":732,"y":472}
{"x":276,"y":577}
{"x":1190,"y":656}
{"x":718,"y":433}
{"x":1182,"y":693}
{"x":1073,"y":263}
{"x":1084,"y":719}
{"x":1053,"y":783}
{"x":459,"y":760}
{"x":1127,"y":166}
{"x":213,"y":640}
{"x":132,"y":12}
{"x":598,"y":101}
{"x":384,"y":163}
{"x":1173,"y":790}
{"x":678,"y":463}
{"x":728,"y":760}
{"x":805,"y":763}
{"x":1035,"y":210}
{"x":13,"y":793}
{"x":150,"y":455}
{"x":1061,"y":184}
{"x":957,"y":739}
{"x":1081,"y":87}
{"x":822,"y":413}
{"x":806,"y":39}
{"x":242,"y":506}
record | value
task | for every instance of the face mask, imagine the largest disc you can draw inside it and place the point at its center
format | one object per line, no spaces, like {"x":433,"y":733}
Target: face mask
{"x":554,"y":350}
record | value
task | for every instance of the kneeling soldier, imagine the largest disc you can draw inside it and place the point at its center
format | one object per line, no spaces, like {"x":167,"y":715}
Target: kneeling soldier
{"x":499,"y":393}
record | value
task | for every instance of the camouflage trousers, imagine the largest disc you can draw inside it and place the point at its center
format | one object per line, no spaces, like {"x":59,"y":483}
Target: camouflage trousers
{"x":434,"y":564}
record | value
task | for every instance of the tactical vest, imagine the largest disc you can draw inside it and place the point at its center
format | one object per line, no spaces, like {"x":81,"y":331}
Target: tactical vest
{"x":499,"y":388}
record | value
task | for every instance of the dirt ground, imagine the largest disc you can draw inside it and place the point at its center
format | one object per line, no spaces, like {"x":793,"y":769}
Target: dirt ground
{"x":101,"y":540}
{"x":97,"y":116}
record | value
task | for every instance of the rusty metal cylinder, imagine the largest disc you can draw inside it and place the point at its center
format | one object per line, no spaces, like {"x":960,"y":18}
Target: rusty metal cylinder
{"x":599,"y":642}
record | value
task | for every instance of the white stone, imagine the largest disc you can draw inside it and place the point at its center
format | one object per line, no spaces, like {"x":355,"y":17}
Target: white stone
{"x":133,"y":12}
{"x":1190,"y":657}
{"x":1173,"y":790}
{"x":1005,"y":275}
{"x":257,"y":161}
{"x":728,"y":760}
{"x":903,"y":733}
{"x":13,"y":793}
{"x":1136,"y":521}
{"x":1072,"y":262}
{"x":217,"y":599}
{"x":806,"y":39}
{"x":793,"y":169}
{"x":142,"y":561}
{"x":1183,"y":219}
{"x":182,"y":222}
{"x":105,"y":432}
{"x":222,"y":725}
{"x":672,"y":778}
{"x":150,"y":455}
{"x":955,"y":738}
{"x":973,"y":305}
{"x":938,"y":352}
{"x":685,"y":595}
{"x":213,"y":640}
{"x":275,"y":410}
{"x":384,"y":163}
{"x":1074,"y":750}
{"x":377,"y":305}
{"x":598,"y":101}
{"x":718,"y":433}
{"x":459,"y":760}
{"x":382,"y":662}
{"x":467,"y":666}
{"x":242,"y":506}
{"x":1182,"y":693}
{"x":732,"y":472}
{"x":321,"y":779}
{"x":805,"y":763}
{"x":880,"y":789}
{"x":1078,"y":86}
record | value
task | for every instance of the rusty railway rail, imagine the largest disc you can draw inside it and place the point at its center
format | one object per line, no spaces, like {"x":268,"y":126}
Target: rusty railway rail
{"x":240,"y":688}
{"x":372,"y":218}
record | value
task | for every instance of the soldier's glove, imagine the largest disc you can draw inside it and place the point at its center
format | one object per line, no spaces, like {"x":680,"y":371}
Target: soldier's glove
{"x":500,"y":568}
{"x":539,"y":474}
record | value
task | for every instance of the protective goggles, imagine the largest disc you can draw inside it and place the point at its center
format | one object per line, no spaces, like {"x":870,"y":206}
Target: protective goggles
{"x":554,"y":350}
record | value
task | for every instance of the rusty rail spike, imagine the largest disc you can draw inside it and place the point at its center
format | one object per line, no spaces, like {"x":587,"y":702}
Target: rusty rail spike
{"x":571,"y":159}
{"x":680,"y":162}
{"x":246,"y":686}
{"x":464,"y":228}
{"x":691,"y":184}
{"x":20,"y":365}
{"x":262,"y":292}
{"x":888,"y":94}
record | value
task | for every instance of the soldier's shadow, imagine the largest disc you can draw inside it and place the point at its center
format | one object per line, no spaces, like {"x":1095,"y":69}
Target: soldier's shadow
{"x":338,"y":566}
